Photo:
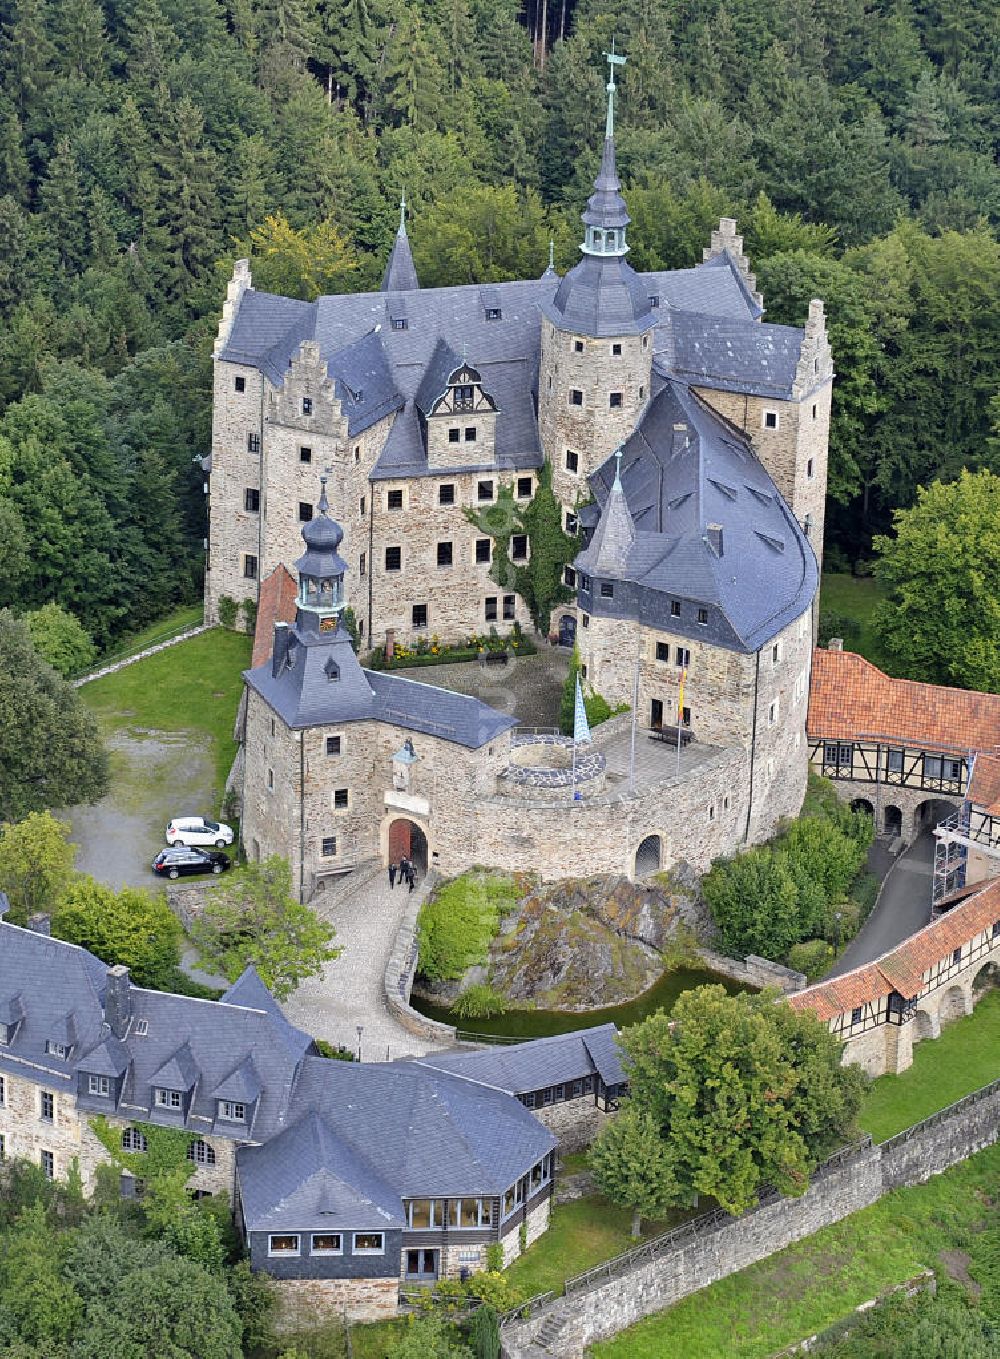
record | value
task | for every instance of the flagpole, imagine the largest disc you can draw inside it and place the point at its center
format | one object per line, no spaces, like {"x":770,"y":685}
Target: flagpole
{"x":635,"y":707}
{"x":680,"y":715}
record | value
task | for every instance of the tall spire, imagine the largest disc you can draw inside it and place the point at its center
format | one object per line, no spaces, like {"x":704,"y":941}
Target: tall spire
{"x":607,"y":216}
{"x":607,"y":552}
{"x":400,"y":272}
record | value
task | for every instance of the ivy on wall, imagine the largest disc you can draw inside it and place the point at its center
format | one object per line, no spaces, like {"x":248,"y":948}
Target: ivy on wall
{"x":539,"y":580}
{"x":164,"y":1162}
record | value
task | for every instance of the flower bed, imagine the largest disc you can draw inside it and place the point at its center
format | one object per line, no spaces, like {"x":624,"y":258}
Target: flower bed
{"x":432,"y":651}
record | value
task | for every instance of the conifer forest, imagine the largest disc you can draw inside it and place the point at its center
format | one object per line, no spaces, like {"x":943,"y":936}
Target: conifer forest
{"x":146,"y":144}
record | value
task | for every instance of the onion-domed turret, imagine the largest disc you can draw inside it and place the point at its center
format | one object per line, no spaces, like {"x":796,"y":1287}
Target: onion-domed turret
{"x":321,"y":570}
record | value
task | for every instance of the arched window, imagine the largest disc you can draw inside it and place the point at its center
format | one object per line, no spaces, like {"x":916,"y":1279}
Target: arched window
{"x":201,"y":1153}
{"x":133,"y":1140}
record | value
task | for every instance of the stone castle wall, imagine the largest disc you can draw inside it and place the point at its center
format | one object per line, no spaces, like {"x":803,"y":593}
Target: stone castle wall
{"x":708,"y":1249}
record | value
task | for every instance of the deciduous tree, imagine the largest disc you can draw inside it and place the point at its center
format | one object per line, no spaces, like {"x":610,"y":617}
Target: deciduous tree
{"x":60,"y":639}
{"x":36,"y":864}
{"x":132,"y":927}
{"x":631,"y":1163}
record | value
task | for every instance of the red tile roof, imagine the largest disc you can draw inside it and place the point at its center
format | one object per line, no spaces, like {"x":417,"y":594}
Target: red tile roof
{"x":275,"y":605}
{"x":984,"y":790}
{"x":902,"y":969}
{"x":851,"y":699}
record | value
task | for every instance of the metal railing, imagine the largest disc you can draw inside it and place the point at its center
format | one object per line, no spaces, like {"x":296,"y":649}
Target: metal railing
{"x":966,"y":1102}
{"x":524,"y":1309}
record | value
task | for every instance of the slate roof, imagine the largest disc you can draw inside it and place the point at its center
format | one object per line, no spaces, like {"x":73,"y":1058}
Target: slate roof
{"x":422,"y":1131}
{"x":849,"y":698}
{"x":303,"y":695}
{"x":602,"y":296}
{"x":726,"y":354}
{"x":308,"y":1176}
{"x":248,"y":990}
{"x":710,"y":529}
{"x":903,"y":968}
{"x":542,"y":1062}
{"x":400,"y":271}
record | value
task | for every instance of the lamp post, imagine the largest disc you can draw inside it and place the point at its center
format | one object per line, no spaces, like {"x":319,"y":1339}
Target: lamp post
{"x":361,"y":1029}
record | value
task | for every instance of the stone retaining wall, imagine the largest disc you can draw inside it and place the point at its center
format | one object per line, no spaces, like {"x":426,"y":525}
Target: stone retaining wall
{"x":399,"y":973}
{"x":608,"y":1299}
{"x":754,"y":971}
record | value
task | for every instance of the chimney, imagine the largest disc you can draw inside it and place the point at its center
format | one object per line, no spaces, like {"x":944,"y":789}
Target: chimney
{"x":835,"y":644}
{"x":118,"y":1001}
{"x":279,"y":649}
{"x":680,"y":439}
{"x":40,"y":923}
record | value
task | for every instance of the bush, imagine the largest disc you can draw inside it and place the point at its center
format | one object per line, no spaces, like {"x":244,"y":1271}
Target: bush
{"x":494,"y":1258}
{"x":832,"y":623}
{"x":480,"y":1002}
{"x":250,"y":615}
{"x":336,"y":1054}
{"x":228,"y":609}
{"x":813,"y":957}
{"x":61,"y":639}
{"x":456,"y":925}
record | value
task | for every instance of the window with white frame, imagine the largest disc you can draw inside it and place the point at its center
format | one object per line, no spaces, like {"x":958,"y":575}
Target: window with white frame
{"x":283,"y":1243}
{"x":99,"y":1085}
{"x":167,"y":1099}
{"x":770,"y":420}
{"x":326,"y":1243}
{"x":232,"y":1111}
{"x":369,"y":1243}
{"x":133,"y":1140}
{"x":201,"y":1152}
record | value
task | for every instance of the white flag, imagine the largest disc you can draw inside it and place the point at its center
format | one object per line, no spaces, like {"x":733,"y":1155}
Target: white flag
{"x":581,"y":727}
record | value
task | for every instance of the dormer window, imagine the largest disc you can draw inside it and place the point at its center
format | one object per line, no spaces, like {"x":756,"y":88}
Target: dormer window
{"x":232,"y":1111}
{"x":99,"y":1085}
{"x":332,"y":671}
{"x":399,"y":323}
{"x":465,"y":397}
{"x":60,"y":1050}
{"x":6,"y":1034}
{"x":168,"y":1099}
{"x":654,"y":300}
{"x":493,"y":313}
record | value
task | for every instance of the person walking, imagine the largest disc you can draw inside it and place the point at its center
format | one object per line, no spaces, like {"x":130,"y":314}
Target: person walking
{"x":411,"y":876}
{"x":392,"y":875}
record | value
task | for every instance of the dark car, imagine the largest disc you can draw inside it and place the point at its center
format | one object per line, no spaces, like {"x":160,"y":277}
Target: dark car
{"x":175,"y":863}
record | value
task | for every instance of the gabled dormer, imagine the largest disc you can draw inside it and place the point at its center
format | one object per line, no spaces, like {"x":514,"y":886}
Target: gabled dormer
{"x":172,"y":1086}
{"x":61,"y":1037}
{"x":235,"y":1100}
{"x":457,"y":414}
{"x":101,"y":1074}
{"x":11,"y":1018}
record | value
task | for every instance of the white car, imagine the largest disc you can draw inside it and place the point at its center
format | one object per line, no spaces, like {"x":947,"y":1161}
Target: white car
{"x":198,"y":830}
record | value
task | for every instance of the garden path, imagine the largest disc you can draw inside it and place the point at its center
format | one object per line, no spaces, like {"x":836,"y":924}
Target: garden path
{"x":349,"y":991}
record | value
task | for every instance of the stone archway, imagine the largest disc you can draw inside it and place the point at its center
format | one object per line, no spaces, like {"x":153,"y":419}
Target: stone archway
{"x":954,"y":1004}
{"x":567,"y":629}
{"x":861,"y":804}
{"x":648,"y":856}
{"x":892,"y":820}
{"x":987,"y":977}
{"x":932,"y":812}
{"x":408,"y":841}
{"x":925,"y":1025}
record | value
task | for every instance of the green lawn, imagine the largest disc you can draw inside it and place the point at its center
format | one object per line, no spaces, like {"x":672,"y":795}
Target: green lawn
{"x":184,"y":616}
{"x":964,"y":1058}
{"x":581,"y":1234}
{"x":193,"y":686}
{"x":810,"y":1285}
{"x":855,"y":596}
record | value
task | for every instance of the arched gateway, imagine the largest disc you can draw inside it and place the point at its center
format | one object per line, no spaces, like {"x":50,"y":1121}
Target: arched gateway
{"x":408,"y":841}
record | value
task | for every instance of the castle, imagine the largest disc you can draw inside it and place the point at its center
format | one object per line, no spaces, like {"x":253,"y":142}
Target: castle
{"x":701,"y":433}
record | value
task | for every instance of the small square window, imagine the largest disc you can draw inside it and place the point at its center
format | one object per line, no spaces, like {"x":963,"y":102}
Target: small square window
{"x":523,"y":488}
{"x":328,"y":846}
{"x":577,"y":346}
{"x":857,"y":1014}
{"x":307,"y":405}
{"x":483,"y":549}
{"x":305,"y":511}
{"x":484,"y":491}
{"x":393,"y":558}
{"x":519,"y":547}
{"x":399,"y":323}
{"x":770,"y":419}
{"x":572,"y":525}
{"x":493,"y":313}
{"x":444,"y":554}
{"x":654,"y":302}
{"x":491,"y":609}
{"x":682,"y":657}
{"x":575,"y":396}
{"x":340,"y":798}
{"x":956,"y":957}
{"x":615,"y":400}
{"x":305,"y":454}
{"x":333,"y":745}
{"x":446,"y":493}
{"x":240,"y":384}
{"x":616,"y":350}
{"x":470,"y":434}
{"x":249,"y":566}
{"x":663,"y":651}
{"x":572,"y":461}
{"x":394,"y":500}
{"x":703,"y":617}
{"x":251,"y":500}
{"x":675,"y":608}
{"x":509,"y":602}
{"x":420,"y":615}
{"x":607,"y":590}
{"x":253,"y":443}
{"x":454,"y":436}
{"x":569,"y":577}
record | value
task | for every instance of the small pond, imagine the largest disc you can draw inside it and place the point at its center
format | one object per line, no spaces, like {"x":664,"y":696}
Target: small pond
{"x":662,"y":995}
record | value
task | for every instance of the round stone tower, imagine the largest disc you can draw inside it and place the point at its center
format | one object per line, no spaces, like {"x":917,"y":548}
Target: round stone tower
{"x":597,"y":342}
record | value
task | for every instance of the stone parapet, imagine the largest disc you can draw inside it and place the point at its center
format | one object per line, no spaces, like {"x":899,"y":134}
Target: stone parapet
{"x":754,"y":971}
{"x":399,"y":973}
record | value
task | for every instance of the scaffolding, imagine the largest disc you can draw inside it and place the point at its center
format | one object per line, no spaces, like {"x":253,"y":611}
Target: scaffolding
{"x":953,"y":840}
